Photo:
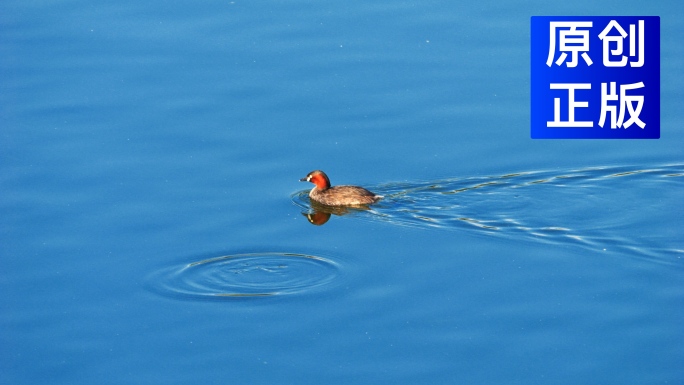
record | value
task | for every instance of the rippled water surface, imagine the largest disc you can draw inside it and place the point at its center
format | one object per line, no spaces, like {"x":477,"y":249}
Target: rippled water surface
{"x":153,"y":228}
{"x":585,"y":207}
{"x":245,"y":275}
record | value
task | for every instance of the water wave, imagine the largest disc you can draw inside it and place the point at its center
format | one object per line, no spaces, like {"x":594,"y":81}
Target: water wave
{"x":245,"y":275}
{"x":614,"y":208}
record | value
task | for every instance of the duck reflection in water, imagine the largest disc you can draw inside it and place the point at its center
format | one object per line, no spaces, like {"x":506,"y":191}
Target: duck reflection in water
{"x":320,"y":213}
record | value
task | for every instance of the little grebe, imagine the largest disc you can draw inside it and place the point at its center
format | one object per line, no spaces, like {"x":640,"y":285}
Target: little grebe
{"x":337,"y":195}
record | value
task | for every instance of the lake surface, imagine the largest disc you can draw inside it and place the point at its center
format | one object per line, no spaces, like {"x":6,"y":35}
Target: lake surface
{"x":153,"y":228}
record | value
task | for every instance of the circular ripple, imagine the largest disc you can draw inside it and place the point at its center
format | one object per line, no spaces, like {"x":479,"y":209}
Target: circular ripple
{"x":245,"y":275}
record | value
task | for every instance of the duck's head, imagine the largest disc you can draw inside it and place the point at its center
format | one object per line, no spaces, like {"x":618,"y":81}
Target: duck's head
{"x":318,"y":178}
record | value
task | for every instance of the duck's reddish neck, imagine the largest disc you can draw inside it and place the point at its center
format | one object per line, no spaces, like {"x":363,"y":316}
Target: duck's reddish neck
{"x":321,"y":182}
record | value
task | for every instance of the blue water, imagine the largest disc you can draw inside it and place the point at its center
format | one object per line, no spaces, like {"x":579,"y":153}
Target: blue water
{"x":153,"y":229}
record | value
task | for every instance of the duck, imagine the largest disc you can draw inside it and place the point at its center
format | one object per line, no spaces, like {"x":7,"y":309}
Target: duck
{"x":328,"y":195}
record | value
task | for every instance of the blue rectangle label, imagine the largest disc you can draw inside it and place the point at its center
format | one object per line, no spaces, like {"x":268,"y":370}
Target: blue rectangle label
{"x":595,"y":77}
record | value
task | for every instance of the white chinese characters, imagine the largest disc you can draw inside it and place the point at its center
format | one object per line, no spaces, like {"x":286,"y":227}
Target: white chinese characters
{"x":618,"y":43}
{"x":571,"y":40}
{"x":572,"y":104}
{"x":625,"y":102}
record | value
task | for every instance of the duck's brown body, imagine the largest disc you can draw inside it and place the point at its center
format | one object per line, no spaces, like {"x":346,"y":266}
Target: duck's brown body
{"x":338,"y":195}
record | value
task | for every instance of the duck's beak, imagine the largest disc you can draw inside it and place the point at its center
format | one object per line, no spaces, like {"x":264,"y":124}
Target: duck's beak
{"x":303,"y":179}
